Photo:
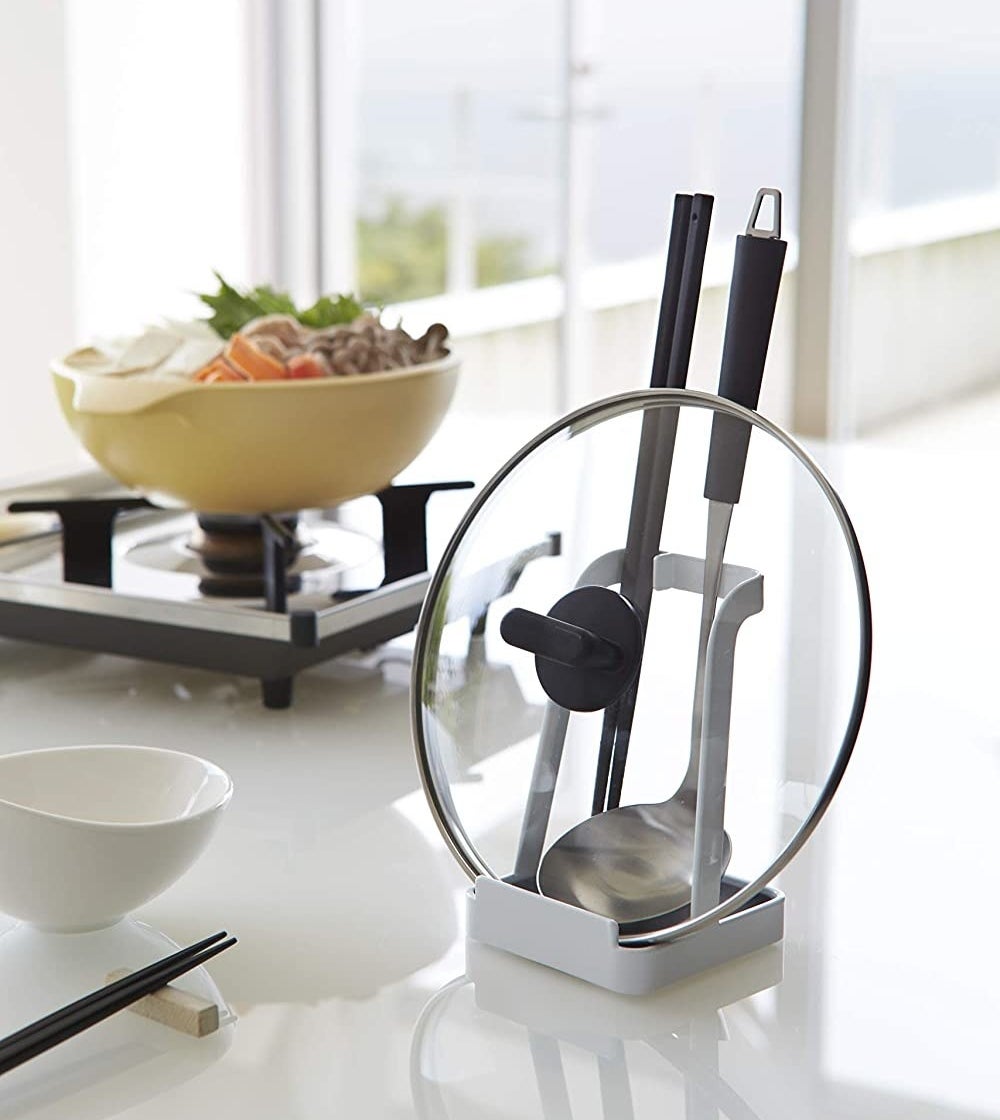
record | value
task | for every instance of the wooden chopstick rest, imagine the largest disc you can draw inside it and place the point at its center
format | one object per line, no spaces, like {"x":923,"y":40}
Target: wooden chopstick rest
{"x":181,"y":1011}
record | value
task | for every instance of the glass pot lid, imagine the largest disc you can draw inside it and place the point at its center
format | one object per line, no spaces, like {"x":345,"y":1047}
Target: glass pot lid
{"x":561,"y":667}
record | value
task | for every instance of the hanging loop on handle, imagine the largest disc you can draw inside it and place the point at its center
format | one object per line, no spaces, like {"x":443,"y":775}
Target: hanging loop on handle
{"x":774,"y":231}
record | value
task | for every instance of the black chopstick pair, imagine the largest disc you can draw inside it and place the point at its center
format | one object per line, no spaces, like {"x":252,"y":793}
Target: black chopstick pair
{"x":91,"y":1009}
{"x":671,"y":358}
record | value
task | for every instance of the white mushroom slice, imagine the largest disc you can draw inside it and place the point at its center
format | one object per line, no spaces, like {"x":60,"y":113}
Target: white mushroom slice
{"x":190,"y":356}
{"x":149,"y":349}
{"x":288,"y":330}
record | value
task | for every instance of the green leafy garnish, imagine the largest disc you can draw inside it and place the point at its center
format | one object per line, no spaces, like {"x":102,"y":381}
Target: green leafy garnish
{"x":330,"y":311}
{"x":233,"y":309}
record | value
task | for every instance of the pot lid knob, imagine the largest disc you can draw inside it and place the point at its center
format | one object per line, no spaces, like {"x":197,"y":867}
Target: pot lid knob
{"x":587,"y":648}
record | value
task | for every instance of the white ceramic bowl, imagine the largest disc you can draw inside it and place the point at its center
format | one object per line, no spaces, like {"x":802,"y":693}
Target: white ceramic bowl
{"x":89,"y":833}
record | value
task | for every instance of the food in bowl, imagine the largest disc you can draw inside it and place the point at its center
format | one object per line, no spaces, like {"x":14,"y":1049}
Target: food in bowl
{"x":309,"y":409}
{"x":278,"y":347}
{"x":261,"y":335}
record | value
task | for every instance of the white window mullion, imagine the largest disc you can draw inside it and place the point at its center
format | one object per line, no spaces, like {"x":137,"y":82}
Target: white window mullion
{"x":284,"y":99}
{"x":262,"y":125}
{"x":581,"y":37}
{"x":338,"y":68}
{"x":820,"y":392}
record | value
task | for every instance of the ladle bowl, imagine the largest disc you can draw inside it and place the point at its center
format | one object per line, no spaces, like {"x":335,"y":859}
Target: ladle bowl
{"x":630,"y":864}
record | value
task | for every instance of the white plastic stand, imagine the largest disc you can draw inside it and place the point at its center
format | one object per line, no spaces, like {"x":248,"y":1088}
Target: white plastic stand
{"x":586,"y":945}
{"x":510,"y":915}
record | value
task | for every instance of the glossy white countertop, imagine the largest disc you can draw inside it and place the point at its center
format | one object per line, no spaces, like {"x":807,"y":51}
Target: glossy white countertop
{"x":349,"y":980}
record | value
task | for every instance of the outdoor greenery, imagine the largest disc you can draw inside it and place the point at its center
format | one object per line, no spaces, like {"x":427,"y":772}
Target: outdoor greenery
{"x":402,"y":254}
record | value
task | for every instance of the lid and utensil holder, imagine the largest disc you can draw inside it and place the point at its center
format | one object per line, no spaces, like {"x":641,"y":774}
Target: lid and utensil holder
{"x":632,"y":897}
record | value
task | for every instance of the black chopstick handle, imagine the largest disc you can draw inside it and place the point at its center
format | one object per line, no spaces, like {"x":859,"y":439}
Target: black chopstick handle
{"x":652,"y":472}
{"x":670,"y":299}
{"x":753,"y":298}
{"x":656,"y":452}
{"x":690,"y":290}
{"x":665,"y":427}
{"x":111,"y":989}
{"x":100,"y":1005}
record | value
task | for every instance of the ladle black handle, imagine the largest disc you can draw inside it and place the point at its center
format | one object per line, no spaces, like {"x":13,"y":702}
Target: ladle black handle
{"x":562,"y":642}
{"x":753,"y":296}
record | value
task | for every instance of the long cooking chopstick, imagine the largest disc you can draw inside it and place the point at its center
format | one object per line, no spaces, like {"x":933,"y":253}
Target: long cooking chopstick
{"x":53,"y":1029}
{"x":680,"y":225}
{"x":649,"y":495}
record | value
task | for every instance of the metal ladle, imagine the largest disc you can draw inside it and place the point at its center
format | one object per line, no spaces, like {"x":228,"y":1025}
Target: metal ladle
{"x":636,"y":862}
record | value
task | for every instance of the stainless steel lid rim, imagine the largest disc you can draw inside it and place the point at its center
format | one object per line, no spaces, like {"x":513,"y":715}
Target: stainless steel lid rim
{"x":446,"y":819}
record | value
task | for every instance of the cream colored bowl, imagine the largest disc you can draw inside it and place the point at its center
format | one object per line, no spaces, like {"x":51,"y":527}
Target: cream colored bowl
{"x":89,"y":833}
{"x":257,"y":448}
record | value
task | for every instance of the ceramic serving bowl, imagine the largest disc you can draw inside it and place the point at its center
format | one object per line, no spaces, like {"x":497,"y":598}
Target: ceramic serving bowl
{"x":264,"y":447}
{"x":89,"y":833}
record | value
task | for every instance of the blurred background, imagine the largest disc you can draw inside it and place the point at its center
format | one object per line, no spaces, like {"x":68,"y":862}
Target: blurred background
{"x":509,"y":170}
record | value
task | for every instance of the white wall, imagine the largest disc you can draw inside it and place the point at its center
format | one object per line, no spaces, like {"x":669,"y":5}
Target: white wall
{"x":124,"y":152}
{"x":36,"y":290}
{"x":160,"y":137}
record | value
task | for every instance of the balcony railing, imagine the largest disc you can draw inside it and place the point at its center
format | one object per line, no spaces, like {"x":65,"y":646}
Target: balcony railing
{"x":920,"y":279}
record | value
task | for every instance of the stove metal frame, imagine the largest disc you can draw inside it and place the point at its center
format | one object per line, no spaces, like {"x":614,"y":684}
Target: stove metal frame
{"x":271,"y":643}
{"x":258,"y":643}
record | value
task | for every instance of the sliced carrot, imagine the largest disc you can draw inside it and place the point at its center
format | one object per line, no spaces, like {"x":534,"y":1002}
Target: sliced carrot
{"x":247,"y":359}
{"x":218,"y":369}
{"x":220,"y":375}
{"x":304,"y":366}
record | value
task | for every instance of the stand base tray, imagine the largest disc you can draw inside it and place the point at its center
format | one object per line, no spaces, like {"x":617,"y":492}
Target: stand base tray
{"x":586,"y":945}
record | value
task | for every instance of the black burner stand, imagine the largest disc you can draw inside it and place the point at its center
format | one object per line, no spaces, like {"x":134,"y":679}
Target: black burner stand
{"x":88,"y":529}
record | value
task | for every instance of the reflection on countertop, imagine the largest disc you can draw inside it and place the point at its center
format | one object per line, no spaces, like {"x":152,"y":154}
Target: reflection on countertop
{"x":122,"y":1062}
{"x":512,"y":1030}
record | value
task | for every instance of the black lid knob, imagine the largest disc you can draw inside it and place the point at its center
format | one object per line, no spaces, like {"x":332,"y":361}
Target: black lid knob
{"x":587,"y":648}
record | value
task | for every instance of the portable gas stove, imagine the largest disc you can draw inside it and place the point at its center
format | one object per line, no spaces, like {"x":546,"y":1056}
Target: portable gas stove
{"x":265,"y":597}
